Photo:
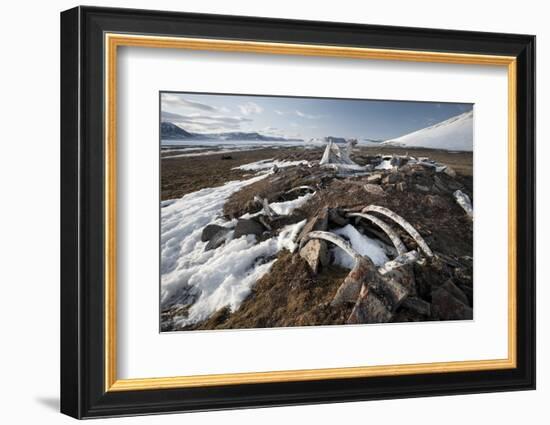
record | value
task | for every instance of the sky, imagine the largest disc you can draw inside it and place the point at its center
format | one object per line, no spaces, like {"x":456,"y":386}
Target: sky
{"x":304,"y":118}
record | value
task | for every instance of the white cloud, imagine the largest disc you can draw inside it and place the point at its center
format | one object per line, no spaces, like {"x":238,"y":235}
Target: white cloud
{"x":177,"y":100}
{"x":279,"y":112}
{"x":201,"y":123}
{"x":308,"y":116}
{"x":250,"y":108}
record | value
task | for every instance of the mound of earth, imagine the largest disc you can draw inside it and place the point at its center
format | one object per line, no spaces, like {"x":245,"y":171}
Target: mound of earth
{"x":310,"y":284}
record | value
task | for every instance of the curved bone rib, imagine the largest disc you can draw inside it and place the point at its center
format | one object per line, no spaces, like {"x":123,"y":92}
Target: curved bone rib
{"x":294,"y":189}
{"x":331,"y":237}
{"x":397,"y":243}
{"x":404,"y":224}
{"x":399,"y":261}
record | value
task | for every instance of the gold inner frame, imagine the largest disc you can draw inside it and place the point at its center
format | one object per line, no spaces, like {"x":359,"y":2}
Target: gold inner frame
{"x":113,"y":41}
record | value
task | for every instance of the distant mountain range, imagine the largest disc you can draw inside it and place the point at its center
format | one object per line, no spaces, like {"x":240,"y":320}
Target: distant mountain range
{"x":171,"y":131}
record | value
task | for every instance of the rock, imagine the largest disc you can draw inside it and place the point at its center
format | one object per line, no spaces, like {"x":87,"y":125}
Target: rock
{"x":450,"y":172}
{"x":248,"y":227}
{"x":226,"y":157}
{"x":468,"y":291}
{"x":439,"y":184}
{"x":389,"y":290}
{"x":319,"y":222}
{"x":401,"y":186}
{"x":375,"y":189}
{"x":217,"y":240}
{"x":315,"y":253}
{"x":422,"y":188}
{"x":336,"y":217}
{"x":369,"y":309}
{"x":417,"y":305}
{"x":404,"y":276}
{"x":373,"y":178}
{"x":350,"y":289}
{"x":210,"y":231}
{"x":449,"y":303}
{"x":435,"y":201}
{"x":454,"y":185}
{"x":450,"y":287}
{"x":391,"y":178}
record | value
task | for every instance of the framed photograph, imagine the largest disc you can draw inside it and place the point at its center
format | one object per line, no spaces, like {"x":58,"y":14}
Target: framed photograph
{"x":261,"y":212}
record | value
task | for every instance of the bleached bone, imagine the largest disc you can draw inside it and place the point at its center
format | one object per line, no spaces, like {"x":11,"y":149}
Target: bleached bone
{"x":399,"y":261}
{"x":339,"y":158}
{"x":333,"y":238}
{"x":297,"y":188}
{"x":397,"y":243}
{"x":363,"y":273}
{"x":404,"y":224}
{"x":265,"y":207}
{"x":330,"y":151}
{"x":348,"y":150}
{"x":464,"y":201}
{"x":264,"y":222}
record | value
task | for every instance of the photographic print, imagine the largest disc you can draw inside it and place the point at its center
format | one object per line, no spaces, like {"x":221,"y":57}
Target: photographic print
{"x":283,"y":211}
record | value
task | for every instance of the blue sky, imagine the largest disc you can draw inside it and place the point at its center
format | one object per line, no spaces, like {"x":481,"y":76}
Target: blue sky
{"x":303,"y":118}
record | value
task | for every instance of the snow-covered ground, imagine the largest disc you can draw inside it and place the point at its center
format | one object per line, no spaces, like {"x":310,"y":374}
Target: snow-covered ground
{"x":266,"y":164}
{"x":211,"y":280}
{"x":205,"y":152}
{"x":287,"y":207}
{"x":372,"y":248}
{"x":235,"y":143}
{"x":456,"y":134}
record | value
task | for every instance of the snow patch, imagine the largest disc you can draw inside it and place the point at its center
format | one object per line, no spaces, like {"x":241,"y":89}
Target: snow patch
{"x":204,"y":153}
{"x":368,"y":247}
{"x":287,"y":207}
{"x":266,"y":164}
{"x":206,"y":281}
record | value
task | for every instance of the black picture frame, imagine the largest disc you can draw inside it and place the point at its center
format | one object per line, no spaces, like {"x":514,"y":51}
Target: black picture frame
{"x":83,"y":392}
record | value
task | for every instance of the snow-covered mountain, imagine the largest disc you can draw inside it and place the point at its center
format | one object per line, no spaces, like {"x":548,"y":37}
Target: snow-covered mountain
{"x":454,"y":134}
